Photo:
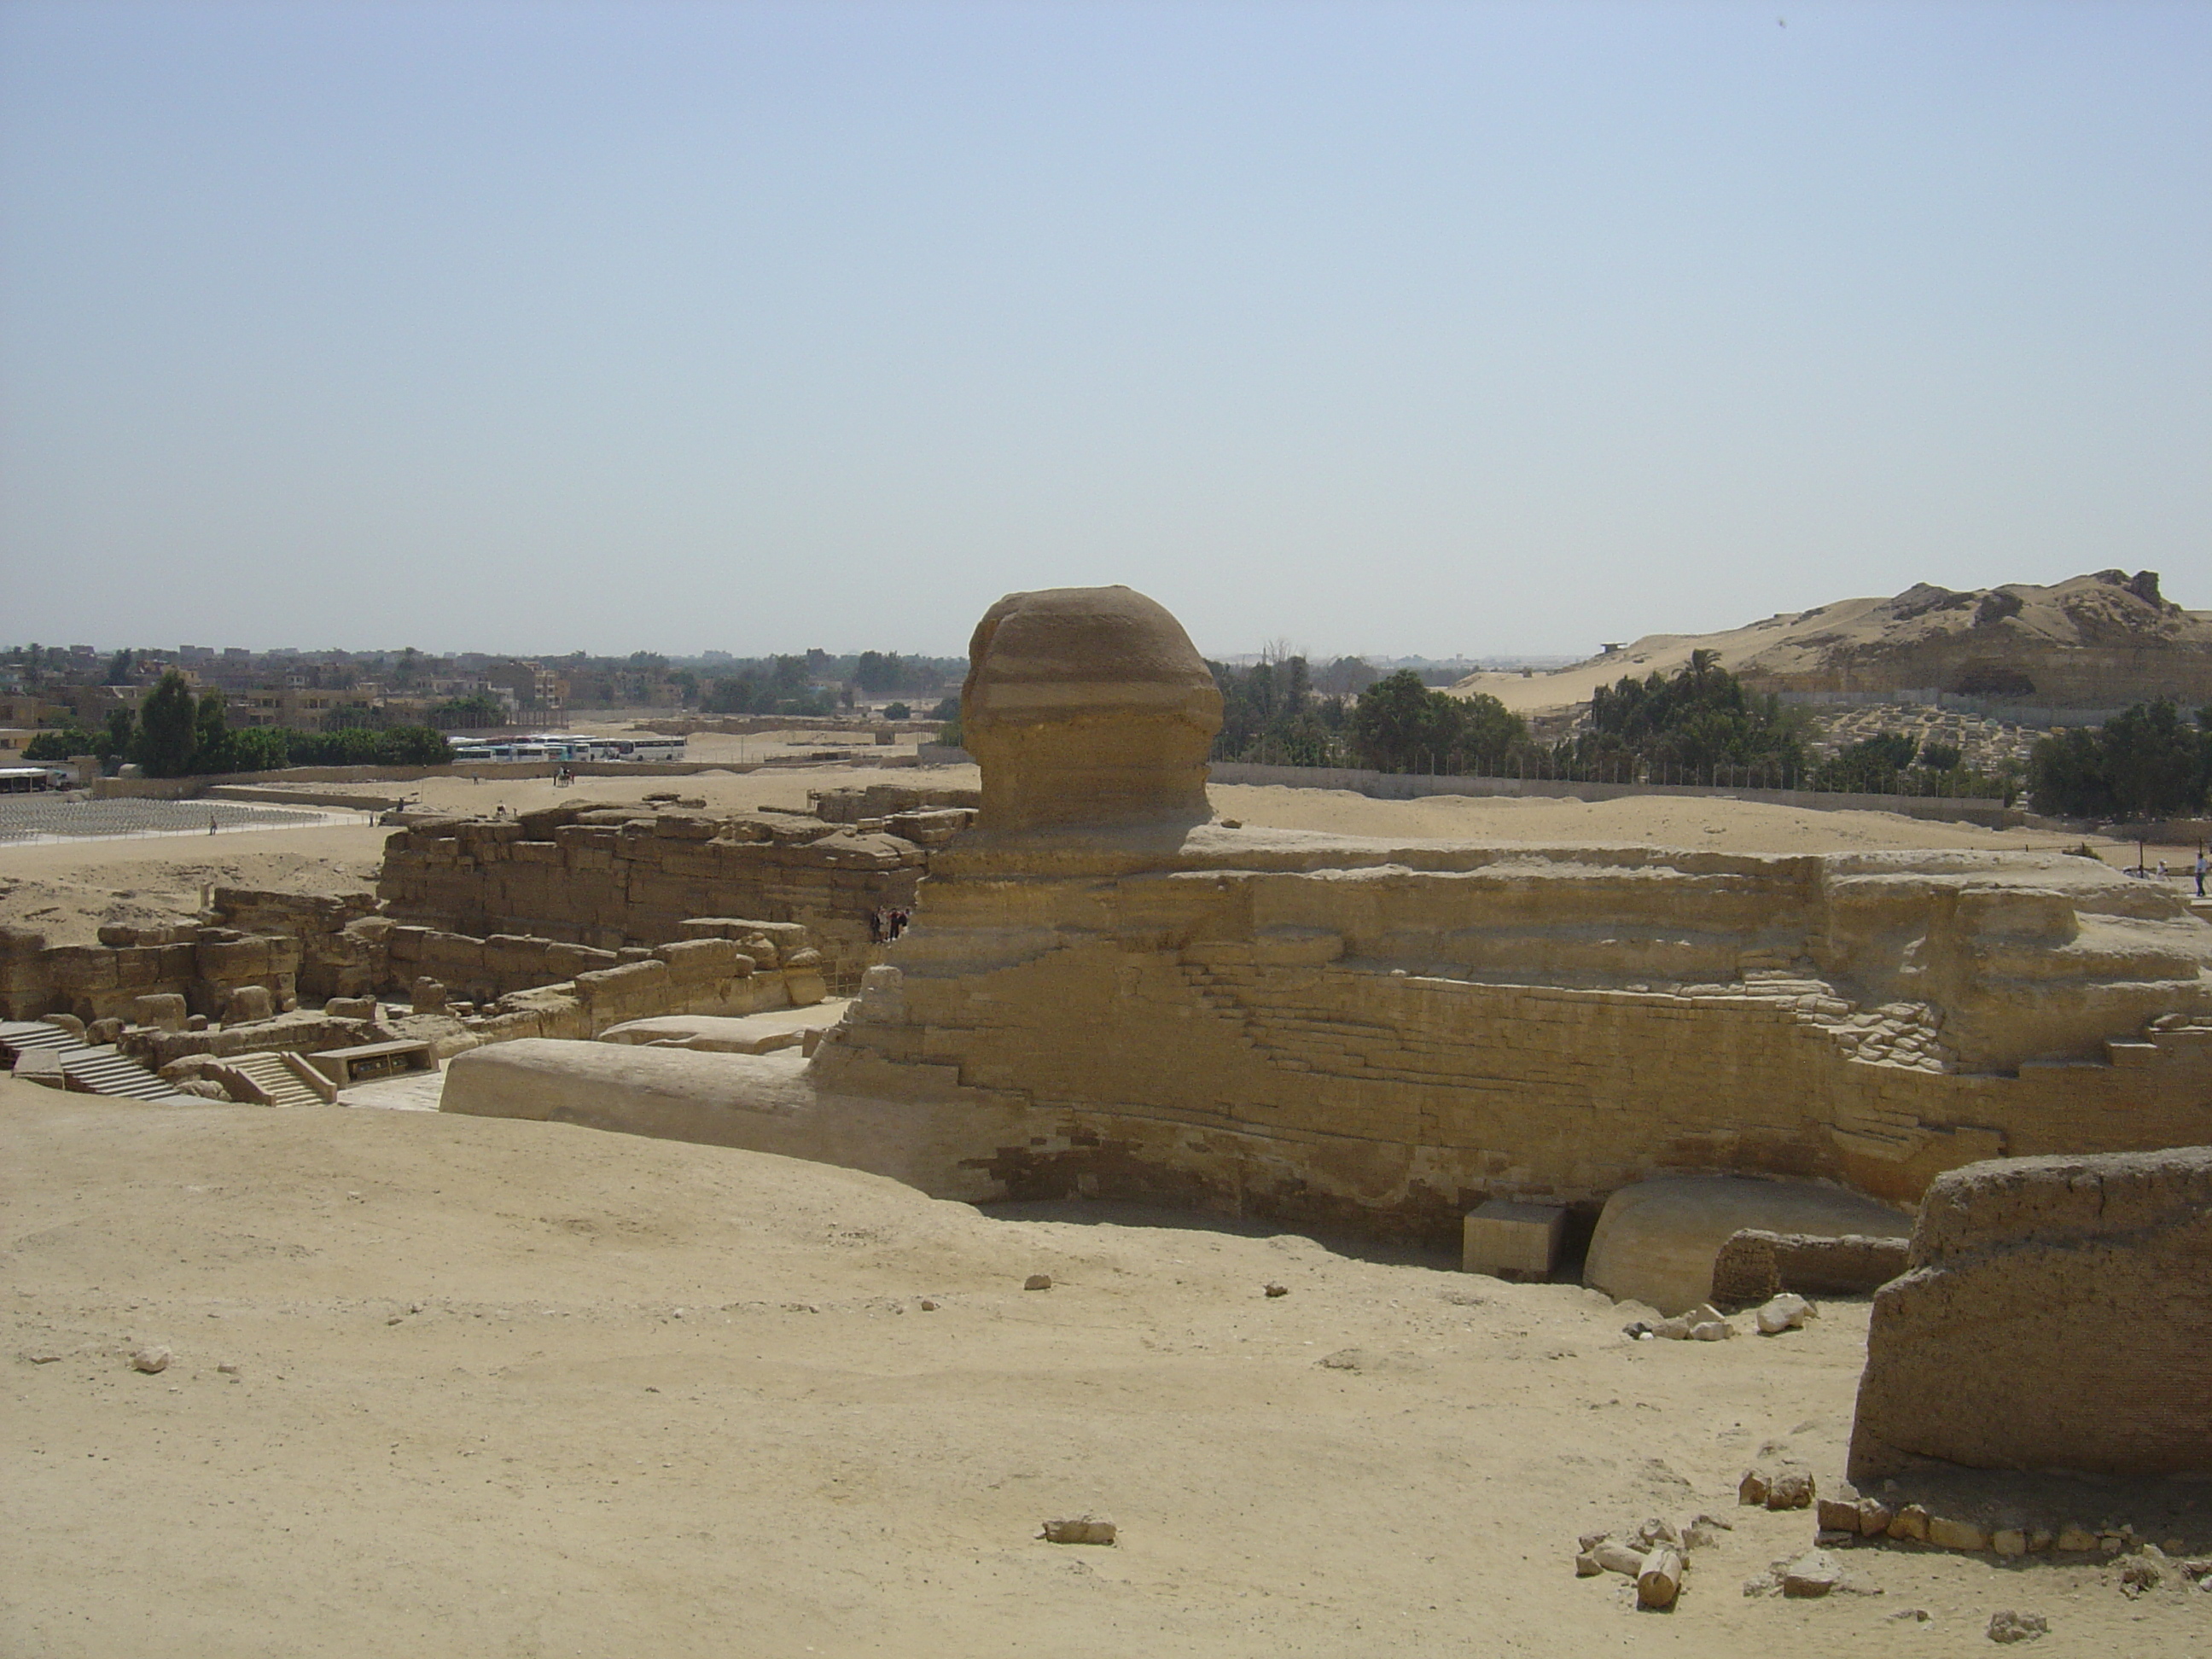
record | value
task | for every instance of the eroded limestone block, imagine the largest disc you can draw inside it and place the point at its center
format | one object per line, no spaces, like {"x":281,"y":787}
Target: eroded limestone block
{"x":164,"y":1010}
{"x":1511,"y":1241}
{"x":1658,"y":1241}
{"x":1087,"y":705}
{"x":2057,"y":1315}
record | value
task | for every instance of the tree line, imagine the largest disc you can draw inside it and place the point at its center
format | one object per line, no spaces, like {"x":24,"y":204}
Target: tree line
{"x":2149,"y":762}
{"x":174,"y":734}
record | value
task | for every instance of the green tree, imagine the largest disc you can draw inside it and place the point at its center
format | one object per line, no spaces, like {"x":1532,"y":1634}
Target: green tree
{"x":118,"y":669}
{"x":1402,"y":725}
{"x":168,"y":728}
{"x":897,"y":711}
{"x":64,"y":742}
{"x":122,"y":730}
{"x":2144,"y":762}
{"x":211,"y":734}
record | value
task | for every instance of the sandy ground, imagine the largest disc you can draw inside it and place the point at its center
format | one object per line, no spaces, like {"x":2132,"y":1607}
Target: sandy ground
{"x":67,"y":890}
{"x":517,"y":1389}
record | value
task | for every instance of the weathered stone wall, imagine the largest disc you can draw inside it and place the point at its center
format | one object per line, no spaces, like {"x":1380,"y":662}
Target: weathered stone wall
{"x":201,"y":964}
{"x":1329,"y":1030}
{"x":2057,"y":1315}
{"x":1755,"y":1264}
{"x":628,"y":878}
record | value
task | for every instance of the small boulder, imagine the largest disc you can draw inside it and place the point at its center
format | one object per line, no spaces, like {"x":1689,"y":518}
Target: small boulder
{"x":1786,"y":1312}
{"x":1814,"y":1573}
{"x":2010,"y":1627}
{"x":1948,"y":1532}
{"x":1037,"y":1282}
{"x":1082,"y":1529}
{"x":150,"y":1360}
{"x":1790,"y":1488}
{"x":1278,"y":1289}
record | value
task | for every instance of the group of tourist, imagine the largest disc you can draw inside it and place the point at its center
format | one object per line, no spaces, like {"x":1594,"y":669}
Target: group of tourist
{"x":884,"y":926}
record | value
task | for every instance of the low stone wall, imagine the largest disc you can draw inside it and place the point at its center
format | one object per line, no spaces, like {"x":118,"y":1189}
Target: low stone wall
{"x":1756,"y":1264}
{"x":1413,"y":785}
{"x":2057,"y":1315}
{"x":613,"y":877}
{"x":201,"y":964}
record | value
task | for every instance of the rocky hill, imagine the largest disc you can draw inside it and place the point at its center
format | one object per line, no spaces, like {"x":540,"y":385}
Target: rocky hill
{"x":2094,"y":641}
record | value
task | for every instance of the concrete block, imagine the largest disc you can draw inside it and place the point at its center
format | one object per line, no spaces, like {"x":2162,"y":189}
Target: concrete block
{"x":1509,"y":1240}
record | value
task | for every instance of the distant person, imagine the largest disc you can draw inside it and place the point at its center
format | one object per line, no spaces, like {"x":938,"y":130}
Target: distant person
{"x":2203,"y":868}
{"x":211,"y":823}
{"x":876,"y":926}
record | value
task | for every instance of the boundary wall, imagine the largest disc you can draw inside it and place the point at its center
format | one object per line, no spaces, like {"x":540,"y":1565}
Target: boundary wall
{"x":1412,"y":786}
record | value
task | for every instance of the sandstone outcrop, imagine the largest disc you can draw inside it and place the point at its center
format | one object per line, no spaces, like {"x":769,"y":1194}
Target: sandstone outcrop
{"x":1087,"y":706}
{"x":2057,"y":1315}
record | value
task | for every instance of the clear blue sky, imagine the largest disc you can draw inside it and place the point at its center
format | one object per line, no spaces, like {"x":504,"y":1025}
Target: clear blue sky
{"x":1373,"y":327}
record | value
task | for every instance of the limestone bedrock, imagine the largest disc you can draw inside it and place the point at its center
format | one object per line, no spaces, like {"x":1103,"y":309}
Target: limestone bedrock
{"x":1656,"y":1240}
{"x":1103,"y":995}
{"x":1087,"y":705}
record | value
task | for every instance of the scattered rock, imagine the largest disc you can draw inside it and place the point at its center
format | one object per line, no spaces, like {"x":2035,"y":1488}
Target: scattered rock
{"x":1873,"y":1517}
{"x":150,"y":1360}
{"x":2139,"y":1573}
{"x":1614,"y":1556}
{"x":1814,"y":1573}
{"x":1278,"y":1290}
{"x":1786,"y":1312}
{"x":1660,"y":1581}
{"x":2075,"y":1539}
{"x":1703,"y":1323}
{"x":1586,"y":1565}
{"x":1791,"y":1487}
{"x":1837,"y":1515}
{"x":2010,"y":1627}
{"x":1752,"y":1490}
{"x":1083,"y":1529}
{"x":2009,"y":1540}
{"x":1832,"y":1538}
{"x":1037,"y":1282}
{"x":1654,"y":1534}
{"x":1909,"y":1522}
{"x":1704,"y":1532}
{"x":1946,"y":1533}
{"x":40,"y":1357}
{"x":228,"y":1369}
{"x":929,"y":1306}
{"x":1343,"y":1360}
{"x":1911,"y":1615}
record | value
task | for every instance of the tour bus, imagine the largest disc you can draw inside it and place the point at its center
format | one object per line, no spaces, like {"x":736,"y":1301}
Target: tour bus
{"x":31,"y":780}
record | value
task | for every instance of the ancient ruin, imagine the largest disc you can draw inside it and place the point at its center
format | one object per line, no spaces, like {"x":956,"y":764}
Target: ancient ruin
{"x":1106,"y":995}
{"x":2057,"y":1313}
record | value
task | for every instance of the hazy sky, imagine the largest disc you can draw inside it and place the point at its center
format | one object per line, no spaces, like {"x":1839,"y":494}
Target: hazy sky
{"x":1375,"y":327}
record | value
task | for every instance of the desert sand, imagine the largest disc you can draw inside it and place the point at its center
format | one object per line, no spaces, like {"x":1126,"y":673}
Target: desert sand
{"x":67,"y":890}
{"x":510,"y":1388}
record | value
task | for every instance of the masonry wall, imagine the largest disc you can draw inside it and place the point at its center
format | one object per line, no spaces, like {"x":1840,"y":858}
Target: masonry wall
{"x":2057,"y":1315}
{"x":608,"y":880}
{"x":1349,"y":1037}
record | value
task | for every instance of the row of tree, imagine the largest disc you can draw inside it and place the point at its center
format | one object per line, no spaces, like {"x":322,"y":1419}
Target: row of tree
{"x":174,"y":734}
{"x":2149,"y":762}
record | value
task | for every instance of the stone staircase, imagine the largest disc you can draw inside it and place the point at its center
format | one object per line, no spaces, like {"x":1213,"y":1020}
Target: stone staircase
{"x":88,"y":1069}
{"x":275,"y":1079}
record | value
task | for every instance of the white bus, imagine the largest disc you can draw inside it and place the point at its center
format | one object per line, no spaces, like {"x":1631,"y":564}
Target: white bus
{"x":31,"y":780}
